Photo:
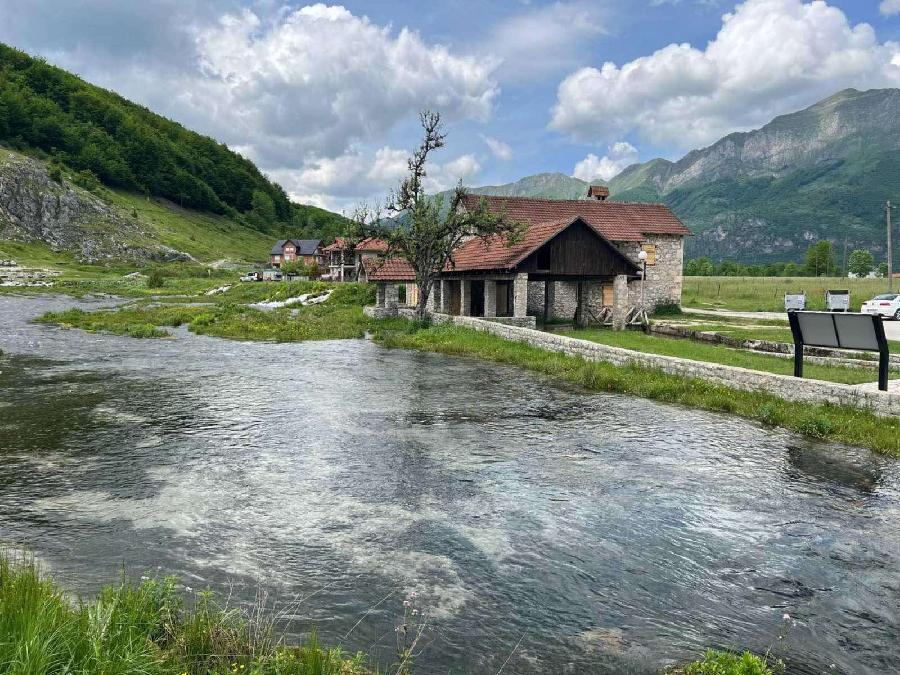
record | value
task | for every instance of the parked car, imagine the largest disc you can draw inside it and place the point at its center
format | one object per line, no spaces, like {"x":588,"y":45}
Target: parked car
{"x":887,"y":304}
{"x":252,"y":276}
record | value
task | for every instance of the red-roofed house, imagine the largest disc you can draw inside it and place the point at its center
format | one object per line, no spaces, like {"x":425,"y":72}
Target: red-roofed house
{"x":344,"y":260}
{"x":577,"y":260}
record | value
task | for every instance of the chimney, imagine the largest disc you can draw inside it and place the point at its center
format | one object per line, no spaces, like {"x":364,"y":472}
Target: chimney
{"x":598,"y":192}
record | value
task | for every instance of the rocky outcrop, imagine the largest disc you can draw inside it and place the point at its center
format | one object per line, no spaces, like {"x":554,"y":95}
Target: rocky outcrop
{"x":35,"y":207}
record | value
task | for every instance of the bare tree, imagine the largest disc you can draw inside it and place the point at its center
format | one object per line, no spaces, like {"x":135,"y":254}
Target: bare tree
{"x":418,"y":229}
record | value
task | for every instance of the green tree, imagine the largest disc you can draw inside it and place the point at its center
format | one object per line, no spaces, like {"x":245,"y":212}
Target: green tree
{"x":861,"y":263}
{"x":792,"y":269}
{"x":699,"y":267}
{"x":431,"y":233}
{"x":820,"y":259}
{"x":262,"y":210}
{"x":882,"y":269}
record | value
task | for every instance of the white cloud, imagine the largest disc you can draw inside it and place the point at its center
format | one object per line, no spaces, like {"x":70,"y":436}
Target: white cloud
{"x":770,"y":57}
{"x":318,"y":80}
{"x":546,"y":39}
{"x":445,"y":176}
{"x":890,"y":7}
{"x":339,"y":183}
{"x":500,"y":150}
{"x":620,"y":156}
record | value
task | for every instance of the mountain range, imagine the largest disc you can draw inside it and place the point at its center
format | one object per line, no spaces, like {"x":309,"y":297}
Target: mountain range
{"x":764,"y":195}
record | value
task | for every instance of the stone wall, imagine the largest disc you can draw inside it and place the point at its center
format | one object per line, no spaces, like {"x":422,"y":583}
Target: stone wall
{"x":783,"y":386}
{"x":663,"y":283}
{"x":536,"y":298}
{"x":661,"y":287}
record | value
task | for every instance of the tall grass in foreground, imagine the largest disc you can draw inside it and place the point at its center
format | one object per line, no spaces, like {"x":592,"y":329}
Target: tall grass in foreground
{"x":142,"y":629}
{"x":824,"y":421}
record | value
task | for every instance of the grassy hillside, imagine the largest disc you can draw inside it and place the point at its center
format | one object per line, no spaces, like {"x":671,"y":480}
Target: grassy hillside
{"x":53,"y":114}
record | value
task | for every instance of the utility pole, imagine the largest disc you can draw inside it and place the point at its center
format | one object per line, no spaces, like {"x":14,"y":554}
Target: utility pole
{"x":890,"y":249}
{"x":845,"y":257}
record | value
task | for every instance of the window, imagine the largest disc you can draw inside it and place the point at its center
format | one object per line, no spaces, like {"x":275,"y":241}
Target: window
{"x":650,"y":250}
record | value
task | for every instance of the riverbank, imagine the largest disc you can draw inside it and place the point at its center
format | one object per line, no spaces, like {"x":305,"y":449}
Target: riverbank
{"x":227,"y":315}
{"x":149,"y":628}
{"x":157,"y":628}
{"x":823,"y":421}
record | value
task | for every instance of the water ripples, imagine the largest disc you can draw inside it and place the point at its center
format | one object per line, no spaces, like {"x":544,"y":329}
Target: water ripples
{"x":598,"y":533}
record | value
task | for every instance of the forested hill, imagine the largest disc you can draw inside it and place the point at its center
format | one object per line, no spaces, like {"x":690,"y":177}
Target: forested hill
{"x":126,"y":146}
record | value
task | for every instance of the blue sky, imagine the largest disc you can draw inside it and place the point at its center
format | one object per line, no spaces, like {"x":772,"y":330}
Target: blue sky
{"x":325,"y":97}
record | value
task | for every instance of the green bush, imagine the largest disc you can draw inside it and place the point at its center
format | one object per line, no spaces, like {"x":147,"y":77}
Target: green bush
{"x":155,"y":278}
{"x":730,"y":663}
{"x":86,"y":179}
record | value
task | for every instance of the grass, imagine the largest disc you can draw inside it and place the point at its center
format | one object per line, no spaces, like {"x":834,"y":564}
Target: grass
{"x":730,"y":663}
{"x":751,"y":329}
{"x":205,"y":236}
{"x":340,"y":317}
{"x":138,"y":322}
{"x":114,"y":278}
{"x":699,"y":351}
{"x":823,"y":421}
{"x":766,"y":294}
{"x":145,"y":629}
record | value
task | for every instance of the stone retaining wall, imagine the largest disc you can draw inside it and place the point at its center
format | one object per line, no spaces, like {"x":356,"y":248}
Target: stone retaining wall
{"x":783,"y":386}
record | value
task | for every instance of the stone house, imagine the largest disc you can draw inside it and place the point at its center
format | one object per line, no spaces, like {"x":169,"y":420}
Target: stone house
{"x":578,"y":260}
{"x":307,"y":251}
{"x":344,"y":261}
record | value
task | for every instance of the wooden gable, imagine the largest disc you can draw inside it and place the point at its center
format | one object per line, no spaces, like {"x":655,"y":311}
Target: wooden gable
{"x":576,"y":251}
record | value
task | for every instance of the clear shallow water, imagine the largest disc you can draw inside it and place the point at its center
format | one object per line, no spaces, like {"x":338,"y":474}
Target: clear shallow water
{"x":599,"y":533}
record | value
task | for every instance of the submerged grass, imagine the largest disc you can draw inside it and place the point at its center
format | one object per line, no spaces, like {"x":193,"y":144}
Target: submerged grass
{"x":144,"y":629}
{"x":138,"y":322}
{"x":824,"y":421}
{"x":340,"y":317}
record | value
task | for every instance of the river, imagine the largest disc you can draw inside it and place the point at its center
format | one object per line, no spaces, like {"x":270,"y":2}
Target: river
{"x":542,"y":529}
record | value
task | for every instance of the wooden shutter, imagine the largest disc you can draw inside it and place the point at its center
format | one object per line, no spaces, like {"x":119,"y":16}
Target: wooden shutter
{"x":607,"y":293}
{"x":650,"y":249}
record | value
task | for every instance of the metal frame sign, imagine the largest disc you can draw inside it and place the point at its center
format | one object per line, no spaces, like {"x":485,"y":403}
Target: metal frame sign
{"x":861,"y":332}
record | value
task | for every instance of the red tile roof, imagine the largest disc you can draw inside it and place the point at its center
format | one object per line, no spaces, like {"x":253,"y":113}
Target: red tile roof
{"x":367,"y":245}
{"x":388,"y":269}
{"x":494,"y":253}
{"x":617,"y":221}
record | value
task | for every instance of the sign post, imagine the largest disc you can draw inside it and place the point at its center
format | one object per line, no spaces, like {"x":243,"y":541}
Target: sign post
{"x":862,"y":332}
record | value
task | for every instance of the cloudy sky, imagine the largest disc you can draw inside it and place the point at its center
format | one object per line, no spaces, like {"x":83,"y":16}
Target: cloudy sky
{"x":324,"y":98}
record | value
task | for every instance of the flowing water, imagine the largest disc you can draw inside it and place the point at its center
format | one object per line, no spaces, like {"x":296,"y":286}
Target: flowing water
{"x":543,"y":530}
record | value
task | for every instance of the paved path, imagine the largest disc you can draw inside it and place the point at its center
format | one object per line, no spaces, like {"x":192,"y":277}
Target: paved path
{"x":891,"y":328}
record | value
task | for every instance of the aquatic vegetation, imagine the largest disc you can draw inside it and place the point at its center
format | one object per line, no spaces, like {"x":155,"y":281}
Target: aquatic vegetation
{"x":340,"y":317}
{"x":730,"y":663}
{"x":146,"y":629}
{"x":133,"y":321}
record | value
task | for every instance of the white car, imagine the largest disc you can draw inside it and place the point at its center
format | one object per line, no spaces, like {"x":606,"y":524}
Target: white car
{"x":887,"y":304}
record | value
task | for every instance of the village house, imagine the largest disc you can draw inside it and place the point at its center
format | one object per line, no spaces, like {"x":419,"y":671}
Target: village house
{"x":585,"y":261}
{"x":345,"y":261}
{"x":305,"y":251}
